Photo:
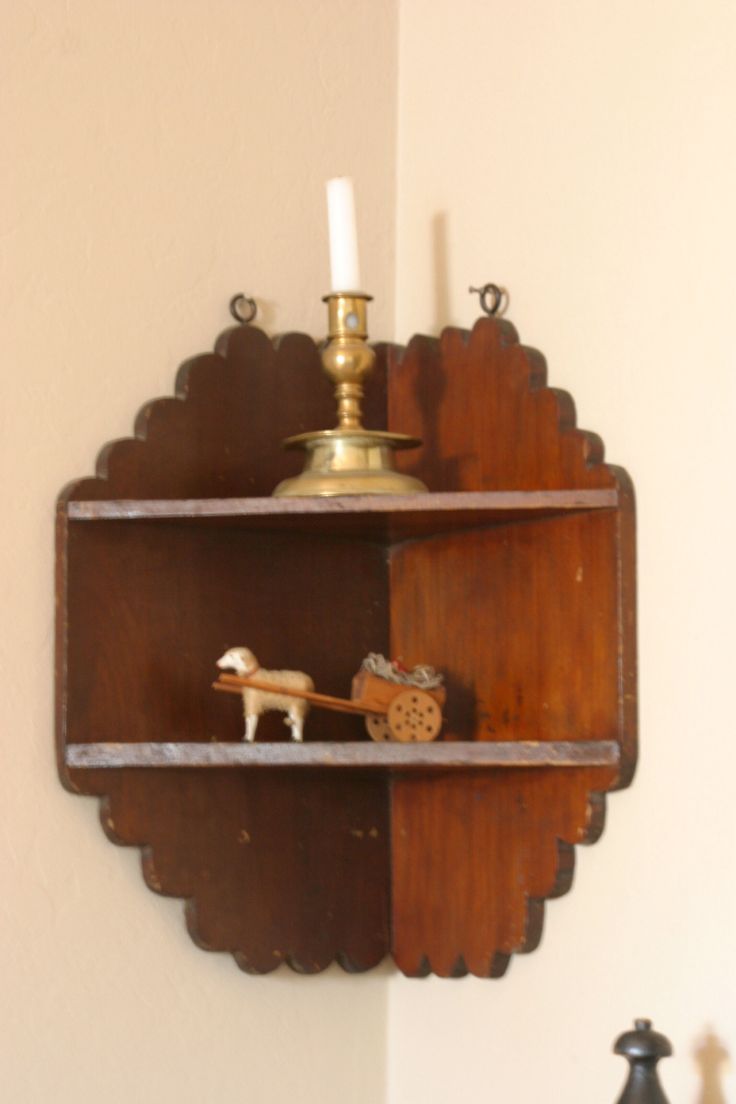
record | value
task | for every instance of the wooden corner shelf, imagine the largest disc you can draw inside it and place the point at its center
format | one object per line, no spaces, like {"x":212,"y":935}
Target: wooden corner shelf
{"x":514,"y":576}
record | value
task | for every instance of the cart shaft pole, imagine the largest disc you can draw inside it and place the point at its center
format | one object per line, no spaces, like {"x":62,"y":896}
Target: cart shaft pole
{"x":235,"y":684}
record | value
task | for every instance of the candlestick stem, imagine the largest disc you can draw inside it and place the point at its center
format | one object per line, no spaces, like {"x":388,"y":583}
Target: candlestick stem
{"x":347,"y":358}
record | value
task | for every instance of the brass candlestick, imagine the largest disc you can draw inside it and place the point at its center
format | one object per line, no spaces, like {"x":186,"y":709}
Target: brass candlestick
{"x":349,"y":459}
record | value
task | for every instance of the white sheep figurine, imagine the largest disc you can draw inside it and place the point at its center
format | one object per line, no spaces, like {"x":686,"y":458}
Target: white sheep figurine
{"x":242,"y":662}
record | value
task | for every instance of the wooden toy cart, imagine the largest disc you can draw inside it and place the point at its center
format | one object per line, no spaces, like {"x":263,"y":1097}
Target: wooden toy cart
{"x":392,"y":710}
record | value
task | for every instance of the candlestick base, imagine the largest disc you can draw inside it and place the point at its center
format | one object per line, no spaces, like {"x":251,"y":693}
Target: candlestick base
{"x":349,"y":462}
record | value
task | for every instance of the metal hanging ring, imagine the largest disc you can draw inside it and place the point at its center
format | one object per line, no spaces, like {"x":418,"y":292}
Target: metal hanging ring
{"x":491,"y":297}
{"x":236,"y":308}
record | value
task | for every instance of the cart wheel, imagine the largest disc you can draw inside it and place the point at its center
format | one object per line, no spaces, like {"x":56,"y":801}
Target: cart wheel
{"x":377,"y":726}
{"x":414,"y":715}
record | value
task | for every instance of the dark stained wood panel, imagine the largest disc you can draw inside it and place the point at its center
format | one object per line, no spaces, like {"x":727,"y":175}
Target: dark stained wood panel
{"x":524,"y":638}
{"x":523,"y":618}
{"x":264,"y":878}
{"x":475,"y":856}
{"x":145,"y":611}
{"x":162,"y":603}
{"x":480,"y":404}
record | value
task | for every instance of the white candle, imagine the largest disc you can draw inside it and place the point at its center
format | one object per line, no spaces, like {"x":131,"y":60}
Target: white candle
{"x":344,"y":267}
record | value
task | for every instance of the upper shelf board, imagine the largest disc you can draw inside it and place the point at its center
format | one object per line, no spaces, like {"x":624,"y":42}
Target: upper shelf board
{"x":395,"y":517}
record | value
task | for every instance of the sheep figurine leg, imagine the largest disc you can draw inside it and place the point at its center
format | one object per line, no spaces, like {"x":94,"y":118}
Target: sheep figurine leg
{"x":255,"y":701}
{"x":295,"y":720}
{"x":251,"y":721}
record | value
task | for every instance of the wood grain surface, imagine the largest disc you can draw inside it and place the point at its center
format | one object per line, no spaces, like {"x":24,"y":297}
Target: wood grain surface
{"x":528,"y":622}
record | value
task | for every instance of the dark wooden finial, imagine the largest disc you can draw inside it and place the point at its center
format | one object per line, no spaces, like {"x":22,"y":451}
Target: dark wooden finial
{"x":642,"y":1048}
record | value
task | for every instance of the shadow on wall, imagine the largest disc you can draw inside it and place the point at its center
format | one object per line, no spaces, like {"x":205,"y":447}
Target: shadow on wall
{"x":710,"y":1056}
{"x":442,"y":296}
{"x":441,"y":271}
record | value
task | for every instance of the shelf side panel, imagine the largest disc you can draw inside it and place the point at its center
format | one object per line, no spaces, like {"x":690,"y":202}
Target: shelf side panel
{"x":220,"y":435}
{"x":271,"y":866}
{"x":479,"y":402}
{"x":489,"y":422}
{"x":474,"y":857}
{"x":274,"y":868}
{"x":533,"y":625}
{"x":154,"y":607}
{"x":523,"y":620}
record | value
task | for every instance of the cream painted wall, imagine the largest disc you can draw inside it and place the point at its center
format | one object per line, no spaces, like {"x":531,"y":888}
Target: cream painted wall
{"x":164,"y":155}
{"x":159,"y":156}
{"x":584,"y":156}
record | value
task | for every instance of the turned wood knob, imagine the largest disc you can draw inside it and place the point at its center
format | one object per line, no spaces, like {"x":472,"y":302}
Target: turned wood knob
{"x":642,"y":1048}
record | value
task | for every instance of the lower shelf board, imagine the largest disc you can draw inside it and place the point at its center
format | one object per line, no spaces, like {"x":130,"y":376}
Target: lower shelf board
{"x":455,"y":755}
